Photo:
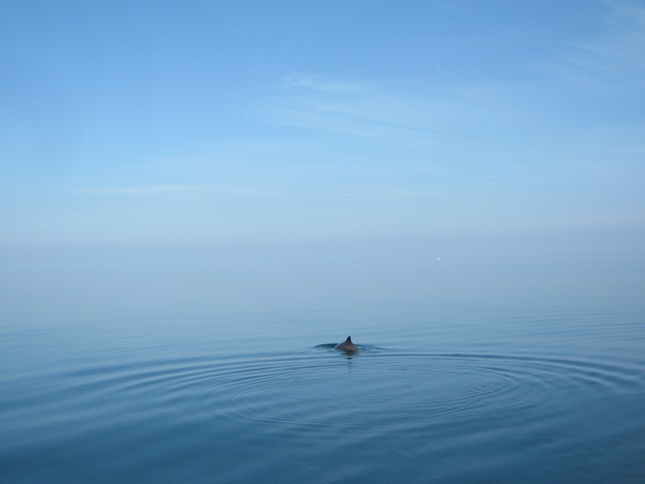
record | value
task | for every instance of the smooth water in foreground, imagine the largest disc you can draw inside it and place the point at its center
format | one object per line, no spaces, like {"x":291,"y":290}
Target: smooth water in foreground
{"x":498,"y":370}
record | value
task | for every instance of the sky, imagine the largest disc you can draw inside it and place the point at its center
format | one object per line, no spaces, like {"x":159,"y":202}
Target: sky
{"x":437,"y":125}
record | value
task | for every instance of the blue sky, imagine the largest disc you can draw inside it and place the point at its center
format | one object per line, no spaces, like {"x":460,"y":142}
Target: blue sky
{"x":197,"y":123}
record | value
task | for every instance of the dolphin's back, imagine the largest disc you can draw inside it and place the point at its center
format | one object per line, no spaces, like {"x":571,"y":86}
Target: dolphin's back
{"x":347,"y":345}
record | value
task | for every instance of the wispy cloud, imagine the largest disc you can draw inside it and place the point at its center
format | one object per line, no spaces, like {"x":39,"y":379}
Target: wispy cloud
{"x":611,"y":58}
{"x":377,"y":195}
{"x":362,"y":110}
{"x":200,"y":191}
{"x":146,"y":189}
{"x":312,"y":193}
{"x":318,"y":83}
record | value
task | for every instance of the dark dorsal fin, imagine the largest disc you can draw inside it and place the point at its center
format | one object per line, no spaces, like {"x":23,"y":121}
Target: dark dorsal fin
{"x":348,"y":340}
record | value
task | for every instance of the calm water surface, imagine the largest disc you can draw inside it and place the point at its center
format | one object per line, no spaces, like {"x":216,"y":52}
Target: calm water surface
{"x":498,"y":370}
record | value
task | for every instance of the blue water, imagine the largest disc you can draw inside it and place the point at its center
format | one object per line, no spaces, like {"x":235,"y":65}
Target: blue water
{"x":489,"y":370}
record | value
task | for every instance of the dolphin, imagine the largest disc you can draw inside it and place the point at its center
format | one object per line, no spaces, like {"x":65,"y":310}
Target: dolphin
{"x":347,"y":346}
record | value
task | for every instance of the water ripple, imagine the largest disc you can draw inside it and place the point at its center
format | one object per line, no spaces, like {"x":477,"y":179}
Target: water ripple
{"x":378,"y":390}
{"x":374,"y":388}
{"x":379,"y":394}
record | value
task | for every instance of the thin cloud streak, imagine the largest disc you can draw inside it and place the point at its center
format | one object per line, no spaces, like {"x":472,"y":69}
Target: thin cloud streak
{"x":360,"y":110}
{"x":148,"y":189}
{"x":316,"y":83}
{"x":610,"y":60}
{"x":199,"y":190}
{"x":320,"y":194}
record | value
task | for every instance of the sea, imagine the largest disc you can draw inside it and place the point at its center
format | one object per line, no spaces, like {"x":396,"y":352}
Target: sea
{"x":151,"y":369}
